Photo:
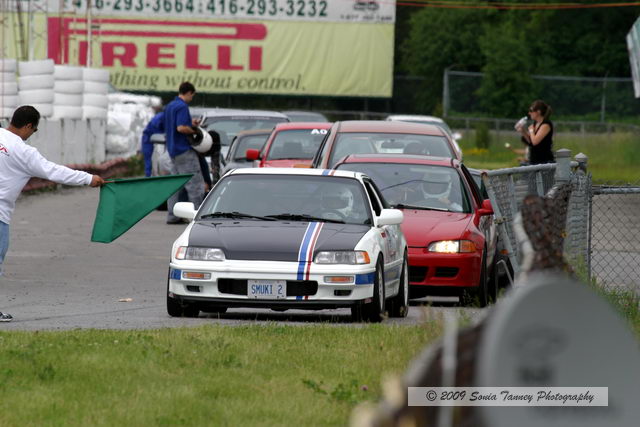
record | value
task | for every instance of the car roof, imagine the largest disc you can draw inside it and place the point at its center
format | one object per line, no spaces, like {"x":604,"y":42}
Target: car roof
{"x":304,"y":113}
{"x":414,"y":117}
{"x":297,"y":171}
{"x":382,"y":126}
{"x":253,"y":132}
{"x":232,"y":112}
{"x":400,"y":158}
{"x":302,"y":125}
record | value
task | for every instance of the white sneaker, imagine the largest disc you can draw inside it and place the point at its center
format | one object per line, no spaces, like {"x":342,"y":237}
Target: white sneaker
{"x":4,"y":317}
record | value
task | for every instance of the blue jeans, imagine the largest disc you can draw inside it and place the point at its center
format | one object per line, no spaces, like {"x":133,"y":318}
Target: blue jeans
{"x":4,"y":242}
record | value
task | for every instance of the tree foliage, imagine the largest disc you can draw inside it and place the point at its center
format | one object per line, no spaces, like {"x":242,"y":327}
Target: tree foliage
{"x":509,"y":46}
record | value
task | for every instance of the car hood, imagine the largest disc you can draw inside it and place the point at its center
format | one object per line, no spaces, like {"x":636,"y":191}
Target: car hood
{"x":422,"y":227}
{"x":274,"y":240}
{"x":286,"y":163}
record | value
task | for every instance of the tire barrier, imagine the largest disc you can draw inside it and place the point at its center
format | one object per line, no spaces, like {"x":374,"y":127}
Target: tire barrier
{"x":9,"y":88}
{"x":66,"y":72}
{"x":67,"y":112}
{"x":8,"y":76}
{"x":95,"y":75}
{"x":9,"y":101}
{"x":68,"y":99}
{"x":36,"y":68}
{"x":99,"y":88}
{"x":8,"y":65}
{"x":91,"y":112}
{"x":44,"y":81}
{"x":94,"y":100}
{"x":36,"y":96}
{"x":69,"y":86}
{"x":45,"y":110}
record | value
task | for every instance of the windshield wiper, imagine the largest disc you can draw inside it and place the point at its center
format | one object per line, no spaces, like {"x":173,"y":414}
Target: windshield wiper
{"x":424,"y":208}
{"x":235,"y":214}
{"x":301,"y":217}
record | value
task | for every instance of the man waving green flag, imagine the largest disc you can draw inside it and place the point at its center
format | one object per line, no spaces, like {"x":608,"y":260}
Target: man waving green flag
{"x":124,"y":202}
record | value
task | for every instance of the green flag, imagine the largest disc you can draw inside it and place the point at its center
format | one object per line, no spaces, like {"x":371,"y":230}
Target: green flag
{"x":124,"y":202}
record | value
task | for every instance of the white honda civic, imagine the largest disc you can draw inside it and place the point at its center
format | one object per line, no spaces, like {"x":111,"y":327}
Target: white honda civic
{"x":290,"y":238}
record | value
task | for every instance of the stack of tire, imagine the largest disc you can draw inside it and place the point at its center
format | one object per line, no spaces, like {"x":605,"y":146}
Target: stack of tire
{"x":67,"y":92}
{"x":35,"y":85}
{"x":95,"y":103}
{"x":8,"y":87}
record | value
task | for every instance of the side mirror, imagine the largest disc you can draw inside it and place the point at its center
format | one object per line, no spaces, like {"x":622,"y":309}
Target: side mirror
{"x":184,"y":210}
{"x":252,"y":154}
{"x":390,"y":217}
{"x":486,"y":208}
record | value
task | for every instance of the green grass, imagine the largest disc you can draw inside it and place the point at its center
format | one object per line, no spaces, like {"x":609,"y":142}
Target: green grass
{"x":209,"y":375}
{"x":612,"y":158}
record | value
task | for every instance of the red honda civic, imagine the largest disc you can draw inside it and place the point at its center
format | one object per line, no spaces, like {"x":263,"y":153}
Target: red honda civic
{"x":290,"y":144}
{"x":448,"y":226}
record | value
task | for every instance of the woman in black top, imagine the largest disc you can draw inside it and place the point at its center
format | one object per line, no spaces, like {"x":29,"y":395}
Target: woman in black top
{"x":539,"y":136}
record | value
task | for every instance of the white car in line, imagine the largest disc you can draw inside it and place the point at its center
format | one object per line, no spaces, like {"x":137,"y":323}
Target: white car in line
{"x":285,"y":238}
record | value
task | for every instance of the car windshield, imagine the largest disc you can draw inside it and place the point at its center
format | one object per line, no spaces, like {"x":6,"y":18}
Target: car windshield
{"x":416,"y":186}
{"x":289,"y":197}
{"x":229,"y":127}
{"x":368,"y":143}
{"x":244,"y":143}
{"x":296,"y":144}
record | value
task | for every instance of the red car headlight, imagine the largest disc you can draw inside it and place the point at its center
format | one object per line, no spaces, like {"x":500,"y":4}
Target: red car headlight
{"x":452,"y":246}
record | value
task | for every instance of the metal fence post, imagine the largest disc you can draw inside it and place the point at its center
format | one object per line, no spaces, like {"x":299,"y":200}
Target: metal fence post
{"x":563,"y":170}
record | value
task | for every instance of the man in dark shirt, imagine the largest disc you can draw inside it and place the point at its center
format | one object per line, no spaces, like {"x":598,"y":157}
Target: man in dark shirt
{"x":178,"y":126}
{"x":155,"y":125}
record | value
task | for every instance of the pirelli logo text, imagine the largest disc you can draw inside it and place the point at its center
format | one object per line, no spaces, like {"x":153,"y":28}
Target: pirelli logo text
{"x":153,"y":44}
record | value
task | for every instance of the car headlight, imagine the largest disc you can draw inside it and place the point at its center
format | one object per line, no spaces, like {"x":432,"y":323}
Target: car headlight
{"x":342,"y":257}
{"x":452,"y":246}
{"x":200,"y":254}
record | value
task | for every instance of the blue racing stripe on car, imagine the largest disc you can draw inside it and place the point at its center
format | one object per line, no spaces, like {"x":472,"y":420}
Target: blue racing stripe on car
{"x":176,"y":274}
{"x":302,"y":252}
{"x":365,"y":279}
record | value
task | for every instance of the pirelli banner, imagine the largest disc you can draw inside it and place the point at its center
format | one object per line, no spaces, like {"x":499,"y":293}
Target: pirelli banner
{"x":327,"y":48}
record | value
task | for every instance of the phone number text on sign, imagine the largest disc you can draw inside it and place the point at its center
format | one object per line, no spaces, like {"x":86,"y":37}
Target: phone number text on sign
{"x":356,"y":10}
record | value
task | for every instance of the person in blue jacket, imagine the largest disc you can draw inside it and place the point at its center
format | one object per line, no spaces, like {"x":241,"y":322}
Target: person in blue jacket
{"x":178,"y":126}
{"x":155,"y":125}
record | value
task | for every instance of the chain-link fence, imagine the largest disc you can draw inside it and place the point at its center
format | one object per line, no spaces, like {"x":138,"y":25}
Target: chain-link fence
{"x":508,"y":190}
{"x":615,"y":236}
{"x":596,"y":99}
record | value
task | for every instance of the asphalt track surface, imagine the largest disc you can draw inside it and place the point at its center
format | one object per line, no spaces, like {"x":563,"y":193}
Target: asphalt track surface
{"x":56,"y":278}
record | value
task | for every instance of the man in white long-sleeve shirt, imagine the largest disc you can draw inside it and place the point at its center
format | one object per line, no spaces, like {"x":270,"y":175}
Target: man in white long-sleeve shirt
{"x":18,"y":163}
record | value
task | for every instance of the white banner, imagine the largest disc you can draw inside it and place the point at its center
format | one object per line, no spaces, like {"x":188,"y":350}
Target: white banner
{"x":364,"y":11}
{"x":508,"y":396}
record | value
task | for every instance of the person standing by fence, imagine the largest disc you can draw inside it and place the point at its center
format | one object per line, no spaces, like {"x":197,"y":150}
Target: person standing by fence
{"x":539,"y":136}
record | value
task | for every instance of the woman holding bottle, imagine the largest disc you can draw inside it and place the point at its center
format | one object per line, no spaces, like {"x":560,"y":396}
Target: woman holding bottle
{"x":539,"y":136}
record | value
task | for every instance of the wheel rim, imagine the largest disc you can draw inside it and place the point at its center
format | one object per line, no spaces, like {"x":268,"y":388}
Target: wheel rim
{"x":405,"y":284}
{"x":380,"y":290}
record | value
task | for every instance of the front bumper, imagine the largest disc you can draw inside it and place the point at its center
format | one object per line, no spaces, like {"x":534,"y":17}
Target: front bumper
{"x":227,"y":284}
{"x":459,"y":270}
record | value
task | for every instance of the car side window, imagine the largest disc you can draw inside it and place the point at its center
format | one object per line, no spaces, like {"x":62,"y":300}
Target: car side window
{"x":472,"y":184}
{"x":321,"y":151}
{"x":375,"y":202}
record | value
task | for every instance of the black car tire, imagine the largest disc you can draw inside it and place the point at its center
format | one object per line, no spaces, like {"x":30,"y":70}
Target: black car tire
{"x":175,"y":308}
{"x":478,"y":295}
{"x":375,"y":310}
{"x":399,"y":305}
